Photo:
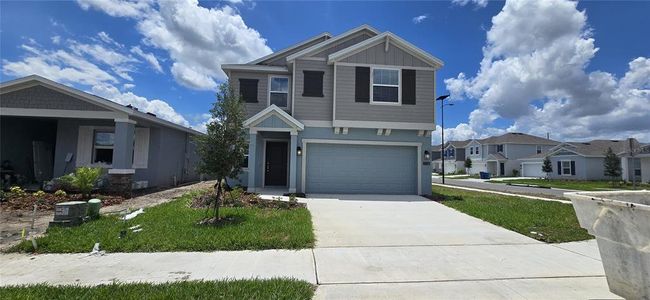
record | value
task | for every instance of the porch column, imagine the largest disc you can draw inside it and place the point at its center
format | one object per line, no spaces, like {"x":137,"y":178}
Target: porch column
{"x":292,"y":162}
{"x":120,"y":176}
{"x":252,"y":165}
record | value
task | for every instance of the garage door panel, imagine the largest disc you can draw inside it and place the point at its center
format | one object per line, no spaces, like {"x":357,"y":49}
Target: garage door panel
{"x":339,"y":168}
{"x":532,"y":170}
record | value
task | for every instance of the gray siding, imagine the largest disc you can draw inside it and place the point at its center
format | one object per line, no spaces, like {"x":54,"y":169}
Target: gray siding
{"x":282,"y":60}
{"x":40,"y":97}
{"x":314,"y":108}
{"x":394,"y":57}
{"x":262,"y":90}
{"x":273,"y":122}
{"x":347,"y":109}
{"x":345,"y":43}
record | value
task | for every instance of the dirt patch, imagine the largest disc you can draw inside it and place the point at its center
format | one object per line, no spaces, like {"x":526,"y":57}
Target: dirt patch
{"x":47,"y":201}
{"x":238,"y":198}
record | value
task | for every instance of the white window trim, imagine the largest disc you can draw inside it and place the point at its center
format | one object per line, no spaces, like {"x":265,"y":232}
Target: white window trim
{"x":399,"y":86}
{"x":562,"y":168}
{"x":268,"y":94}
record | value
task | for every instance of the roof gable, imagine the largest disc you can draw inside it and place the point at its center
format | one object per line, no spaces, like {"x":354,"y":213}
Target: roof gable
{"x":518,"y":138}
{"x":278,"y":55}
{"x":273,"y":117}
{"x":388,"y":39}
{"x":332,"y":42}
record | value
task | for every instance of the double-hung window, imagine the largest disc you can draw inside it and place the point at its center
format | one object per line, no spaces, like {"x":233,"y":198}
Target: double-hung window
{"x":566,"y":167}
{"x":477,"y":150}
{"x":103,"y":143}
{"x":385,"y":86}
{"x":539,"y":149}
{"x":279,"y":91}
{"x":471,"y":150}
{"x":499,"y":148}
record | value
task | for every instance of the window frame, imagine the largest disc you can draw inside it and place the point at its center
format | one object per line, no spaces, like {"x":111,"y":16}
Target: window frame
{"x":476,"y":151}
{"x":399,"y":86}
{"x":538,"y":150}
{"x":95,"y":147}
{"x":563,"y":168}
{"x":502,"y":148}
{"x":269,"y":91}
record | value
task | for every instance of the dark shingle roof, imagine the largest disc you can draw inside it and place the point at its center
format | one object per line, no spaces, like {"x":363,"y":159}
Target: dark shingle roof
{"x":595,"y":147}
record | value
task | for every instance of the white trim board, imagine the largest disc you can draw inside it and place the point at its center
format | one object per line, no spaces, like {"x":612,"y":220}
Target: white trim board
{"x":272,"y":109}
{"x":385,"y":125}
{"x":268,"y":90}
{"x":60,"y":113}
{"x":330,"y":41}
{"x":359,"y":142}
{"x":347,"y":64}
{"x":254,"y":68}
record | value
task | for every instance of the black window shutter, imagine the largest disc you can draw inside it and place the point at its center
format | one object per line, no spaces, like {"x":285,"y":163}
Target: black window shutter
{"x":408,"y":87}
{"x":559,"y":168}
{"x":573,"y":167}
{"x":362,"y":84}
{"x":313,"y":83}
{"x":248,"y":90}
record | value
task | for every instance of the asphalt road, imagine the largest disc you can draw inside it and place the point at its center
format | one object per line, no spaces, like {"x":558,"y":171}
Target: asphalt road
{"x":499,"y":187}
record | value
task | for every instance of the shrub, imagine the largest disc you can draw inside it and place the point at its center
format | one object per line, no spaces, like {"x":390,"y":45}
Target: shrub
{"x":84,"y":179}
{"x":39,"y":194}
{"x":16,"y":191}
{"x":60,"y":193}
{"x":515,"y":172}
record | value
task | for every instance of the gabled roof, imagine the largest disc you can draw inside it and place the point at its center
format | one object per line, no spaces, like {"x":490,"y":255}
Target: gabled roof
{"x":254,"y":68}
{"x":273,"y":110}
{"x":496,"y":156}
{"x":386,"y":37}
{"x":275,"y":54}
{"x":321,"y":45}
{"x":595,"y":148}
{"x":457,"y":144}
{"x":31,"y":80}
{"x":518,"y":138}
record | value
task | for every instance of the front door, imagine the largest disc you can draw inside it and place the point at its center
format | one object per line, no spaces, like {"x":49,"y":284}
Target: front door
{"x":502,"y":169}
{"x":275,"y":169}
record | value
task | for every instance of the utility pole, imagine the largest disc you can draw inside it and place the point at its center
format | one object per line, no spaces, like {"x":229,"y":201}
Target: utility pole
{"x":442,"y":126}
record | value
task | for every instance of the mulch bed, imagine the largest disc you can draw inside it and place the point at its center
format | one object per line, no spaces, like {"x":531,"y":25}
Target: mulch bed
{"x":48,"y":201}
{"x":243,"y":199}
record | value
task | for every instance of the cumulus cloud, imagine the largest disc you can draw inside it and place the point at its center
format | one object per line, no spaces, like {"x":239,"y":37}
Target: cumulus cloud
{"x":149,"y":57}
{"x":533,"y":73}
{"x":419,"y":19}
{"x":477,"y":3}
{"x":197,"y":39}
{"x":83,"y":64}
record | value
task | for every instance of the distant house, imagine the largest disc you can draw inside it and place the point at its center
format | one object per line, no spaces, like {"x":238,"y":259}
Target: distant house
{"x":436,"y":158}
{"x":585,"y":160}
{"x":500,"y":155}
{"x":644,"y":159}
{"x":48,"y":129}
{"x":454,"y":156}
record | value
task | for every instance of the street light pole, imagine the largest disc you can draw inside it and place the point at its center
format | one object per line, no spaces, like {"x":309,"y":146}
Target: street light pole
{"x":442,"y":130}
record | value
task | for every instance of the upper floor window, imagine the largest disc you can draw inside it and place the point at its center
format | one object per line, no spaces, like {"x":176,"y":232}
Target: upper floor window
{"x":279,"y":91}
{"x":103,"y":143}
{"x":313,"y":83}
{"x":477,"y":149}
{"x":248,"y":90}
{"x":539,"y":149}
{"x":499,"y":148}
{"x":385,"y":86}
{"x":471,"y":150}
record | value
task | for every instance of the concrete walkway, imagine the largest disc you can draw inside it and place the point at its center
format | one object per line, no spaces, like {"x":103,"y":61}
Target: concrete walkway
{"x":369,"y":247}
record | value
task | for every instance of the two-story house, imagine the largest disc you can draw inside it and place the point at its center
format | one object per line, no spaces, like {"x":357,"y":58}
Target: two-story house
{"x":500,"y":155}
{"x":351,"y":113}
{"x":454,"y":156}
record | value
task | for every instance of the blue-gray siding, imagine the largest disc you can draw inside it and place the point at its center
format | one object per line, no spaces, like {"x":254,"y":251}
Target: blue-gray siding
{"x":40,"y":97}
{"x":314,"y":108}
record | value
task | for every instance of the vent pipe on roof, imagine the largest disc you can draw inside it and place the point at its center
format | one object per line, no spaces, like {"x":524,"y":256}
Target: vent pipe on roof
{"x":548,"y":136}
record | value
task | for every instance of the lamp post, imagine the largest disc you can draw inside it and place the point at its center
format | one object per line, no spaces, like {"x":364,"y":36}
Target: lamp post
{"x":442,"y":130}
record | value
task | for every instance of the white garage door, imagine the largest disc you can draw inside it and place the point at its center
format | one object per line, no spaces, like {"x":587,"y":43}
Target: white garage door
{"x":361,"y":169}
{"x":532,"y":170}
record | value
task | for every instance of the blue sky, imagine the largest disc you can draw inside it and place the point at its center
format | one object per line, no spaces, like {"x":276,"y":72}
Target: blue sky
{"x":130,"y":53}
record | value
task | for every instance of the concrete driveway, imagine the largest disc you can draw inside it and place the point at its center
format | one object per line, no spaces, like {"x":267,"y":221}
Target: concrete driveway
{"x":377,"y":246}
{"x":499,"y":187}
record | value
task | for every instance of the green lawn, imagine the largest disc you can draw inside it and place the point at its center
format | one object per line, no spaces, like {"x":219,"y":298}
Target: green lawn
{"x":230,"y":289}
{"x":581,"y":185}
{"x":173,"y":227}
{"x":556,"y":222}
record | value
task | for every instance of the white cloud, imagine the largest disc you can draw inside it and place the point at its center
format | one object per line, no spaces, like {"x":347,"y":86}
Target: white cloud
{"x":477,"y":3}
{"x":419,"y":19}
{"x":104,"y":37}
{"x":533,"y":73}
{"x":56,"y":39}
{"x":81,"y":65}
{"x":149,"y":57}
{"x":197,"y":39}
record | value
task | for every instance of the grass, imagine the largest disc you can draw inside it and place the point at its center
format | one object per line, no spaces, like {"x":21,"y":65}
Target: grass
{"x":551,"y":222}
{"x":173,"y":226}
{"x":581,"y":185}
{"x":228,"y":289}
